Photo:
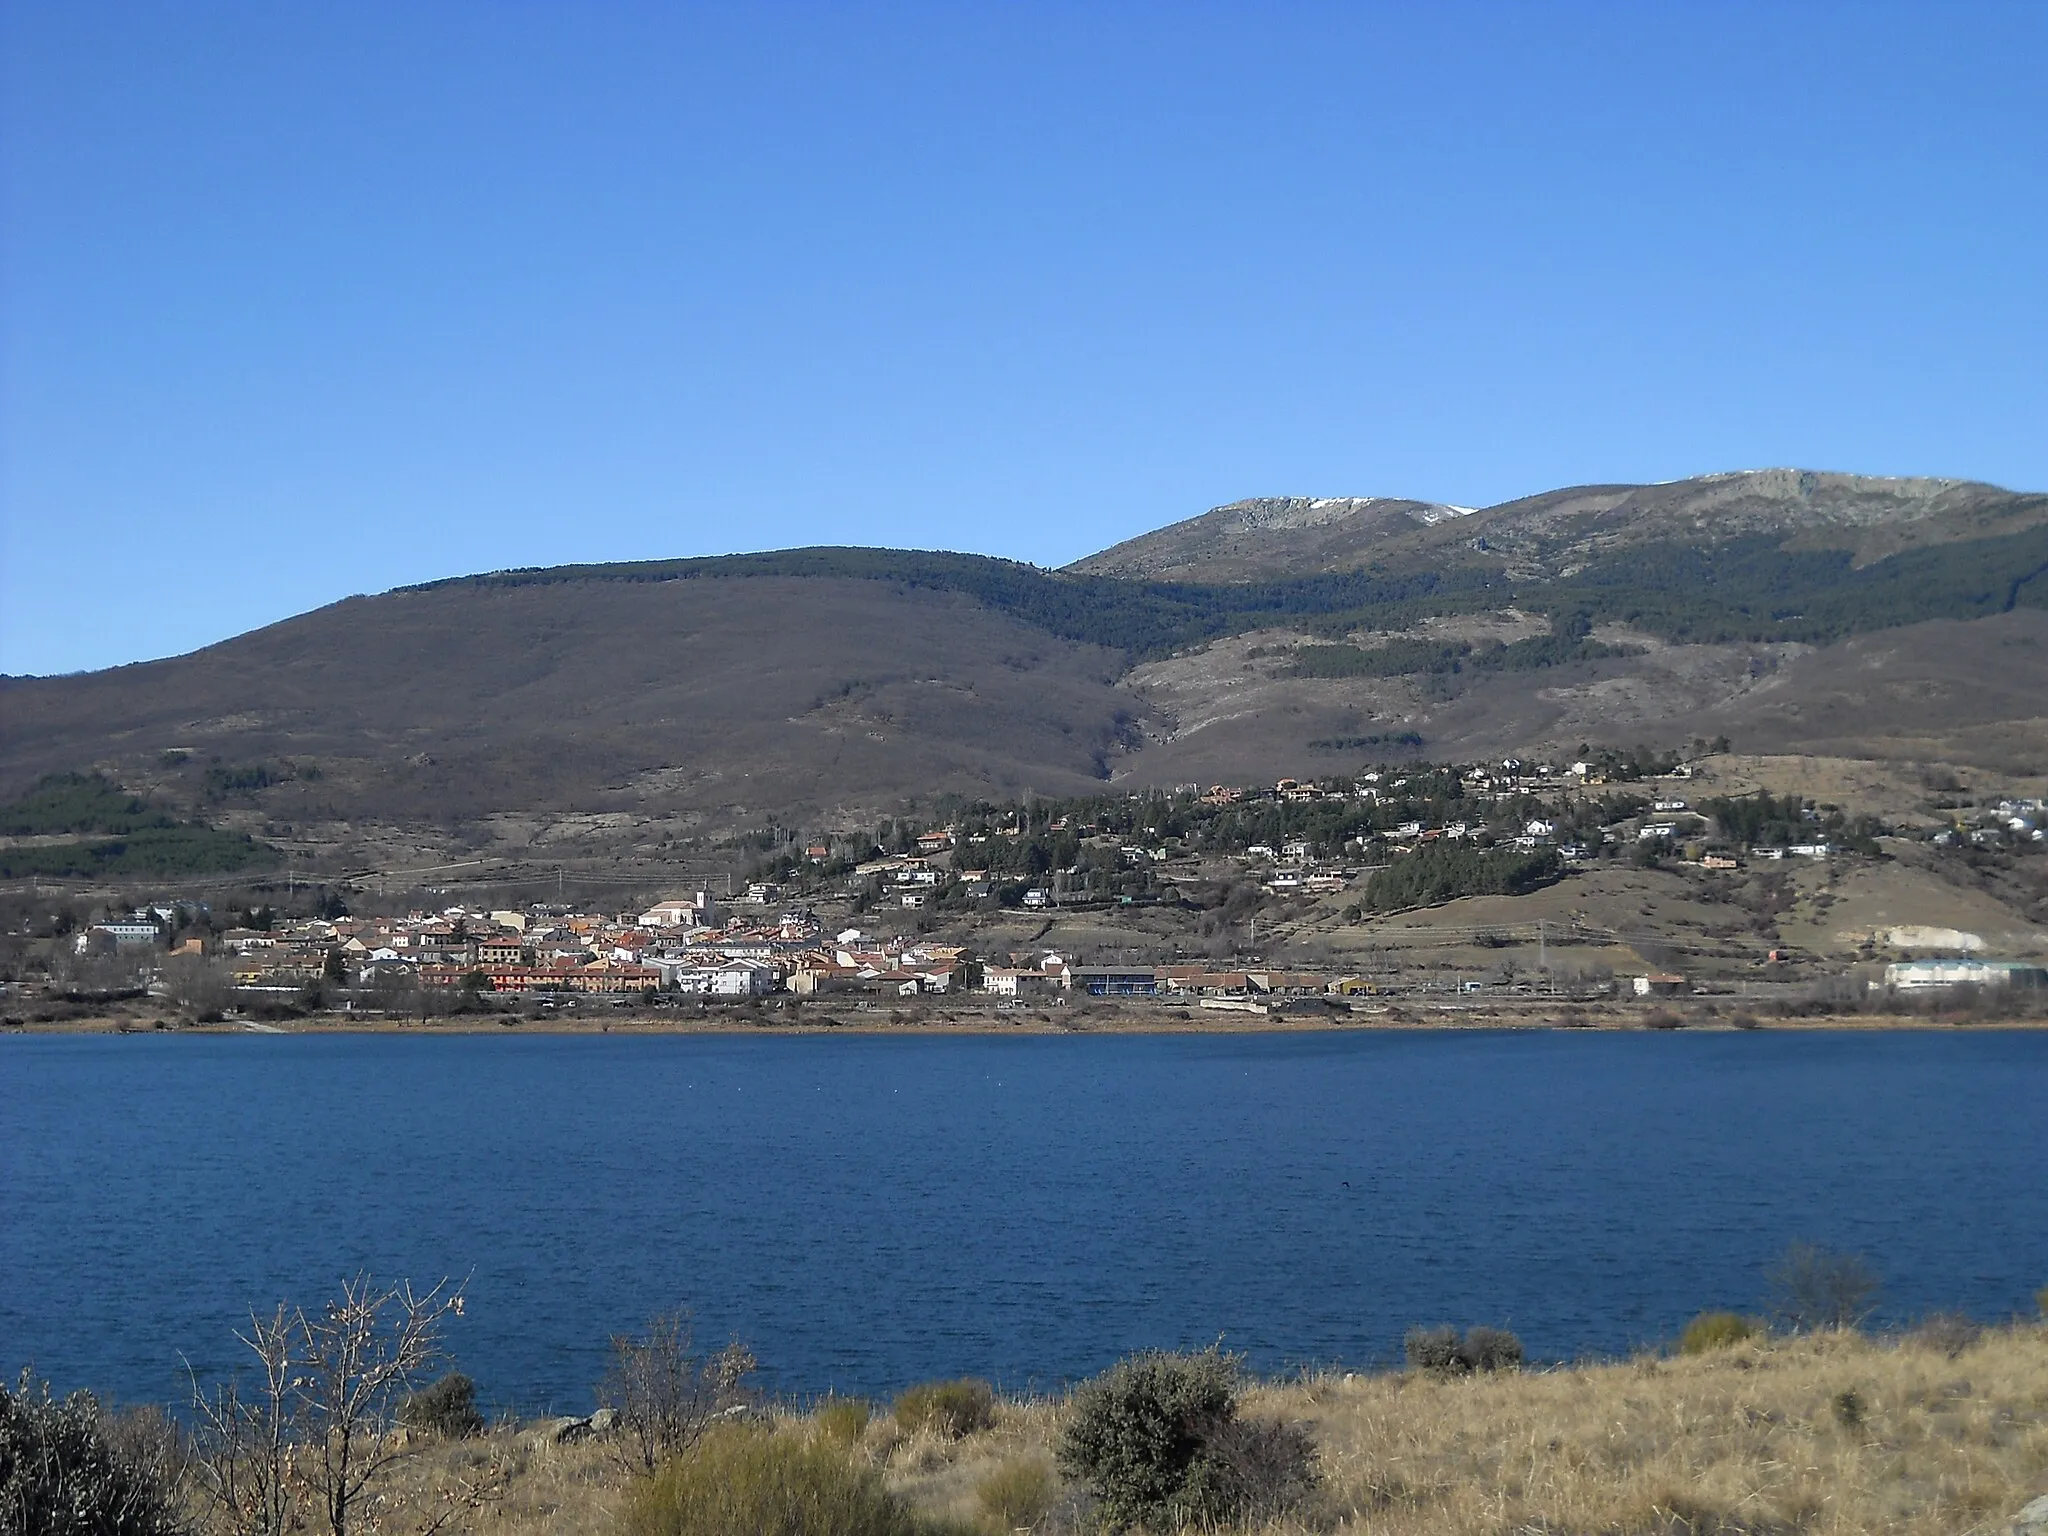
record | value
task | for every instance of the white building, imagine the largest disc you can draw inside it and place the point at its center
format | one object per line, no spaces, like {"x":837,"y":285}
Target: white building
{"x":676,"y":913}
{"x":124,"y":935}
{"x":745,"y":978}
{"x":1928,"y":975}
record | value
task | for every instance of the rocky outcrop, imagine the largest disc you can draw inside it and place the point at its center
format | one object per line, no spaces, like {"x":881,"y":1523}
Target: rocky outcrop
{"x":567,"y":1431}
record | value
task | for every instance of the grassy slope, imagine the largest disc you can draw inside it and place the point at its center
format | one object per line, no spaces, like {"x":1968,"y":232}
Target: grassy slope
{"x":1745,"y":1441}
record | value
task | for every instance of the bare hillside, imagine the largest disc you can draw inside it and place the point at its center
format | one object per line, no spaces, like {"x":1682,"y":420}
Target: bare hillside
{"x":1969,"y":692}
{"x":728,"y":698}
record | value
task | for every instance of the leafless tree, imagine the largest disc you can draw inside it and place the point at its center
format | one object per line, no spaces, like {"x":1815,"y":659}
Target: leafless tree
{"x":248,"y":1438}
{"x":197,"y":984}
{"x":1814,"y":1287}
{"x":664,"y":1393}
{"x":362,"y":1354}
{"x":395,"y":990}
{"x":100,"y":969}
{"x":319,"y":1422}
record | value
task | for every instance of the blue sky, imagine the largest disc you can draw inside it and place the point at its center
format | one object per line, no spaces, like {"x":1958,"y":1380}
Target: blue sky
{"x":301,"y":300}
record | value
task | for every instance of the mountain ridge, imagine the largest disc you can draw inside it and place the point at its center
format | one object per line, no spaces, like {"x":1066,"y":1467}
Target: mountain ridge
{"x":1889,"y":617}
{"x":1885,"y":512}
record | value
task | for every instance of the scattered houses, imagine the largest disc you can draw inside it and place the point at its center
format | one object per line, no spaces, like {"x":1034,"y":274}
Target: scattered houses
{"x":1298,"y":839}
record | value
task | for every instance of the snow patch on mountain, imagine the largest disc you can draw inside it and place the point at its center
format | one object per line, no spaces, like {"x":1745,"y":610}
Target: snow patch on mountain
{"x":1432,"y":513}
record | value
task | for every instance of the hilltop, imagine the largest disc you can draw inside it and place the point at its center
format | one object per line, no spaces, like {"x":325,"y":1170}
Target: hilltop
{"x":1269,"y":537}
{"x":1555,"y":535}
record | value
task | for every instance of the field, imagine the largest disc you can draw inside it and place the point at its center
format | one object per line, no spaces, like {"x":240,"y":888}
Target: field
{"x":1832,"y":1434}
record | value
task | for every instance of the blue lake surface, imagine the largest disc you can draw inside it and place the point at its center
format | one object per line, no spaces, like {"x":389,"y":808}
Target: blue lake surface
{"x":868,"y":1211}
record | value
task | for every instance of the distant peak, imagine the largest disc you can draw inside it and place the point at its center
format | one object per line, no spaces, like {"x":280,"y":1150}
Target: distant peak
{"x":1787,"y":480}
{"x":1268,"y":537}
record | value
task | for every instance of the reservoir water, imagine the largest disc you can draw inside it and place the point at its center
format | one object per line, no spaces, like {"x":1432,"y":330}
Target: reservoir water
{"x":867,"y":1211}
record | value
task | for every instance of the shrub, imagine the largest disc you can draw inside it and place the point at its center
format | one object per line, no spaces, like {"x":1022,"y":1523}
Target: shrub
{"x":1018,"y":1494}
{"x":1439,"y":1352}
{"x":666,"y":1394}
{"x":950,"y":1408}
{"x":446,"y":1408}
{"x":1814,"y":1287}
{"x":1716,"y":1330}
{"x":1253,"y":1470}
{"x":1947,"y":1333}
{"x":1158,"y":1440}
{"x":1492,"y":1349}
{"x":1136,"y":1432}
{"x":153,"y":1443}
{"x":60,"y":1475}
{"x":741,"y":1481}
{"x":1848,"y":1408}
{"x":1434,"y":1351}
{"x":844,"y":1419}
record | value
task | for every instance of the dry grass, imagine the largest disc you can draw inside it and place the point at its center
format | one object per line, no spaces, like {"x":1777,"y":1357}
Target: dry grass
{"x":1745,"y":1440}
{"x":528,"y":1485}
{"x":513,"y":1482}
{"x":941,"y":1479}
{"x":1824,"y":1436}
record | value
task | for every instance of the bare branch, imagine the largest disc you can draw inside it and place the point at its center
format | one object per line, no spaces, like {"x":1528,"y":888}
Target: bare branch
{"x":665,"y":1395}
{"x":320,"y":1422}
{"x":247,"y":1449}
{"x":362,"y":1354}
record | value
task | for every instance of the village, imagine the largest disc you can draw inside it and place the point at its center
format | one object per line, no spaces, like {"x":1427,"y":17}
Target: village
{"x":923,"y":916}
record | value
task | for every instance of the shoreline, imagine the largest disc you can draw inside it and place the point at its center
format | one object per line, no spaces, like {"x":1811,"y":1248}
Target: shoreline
{"x":981,"y":1027}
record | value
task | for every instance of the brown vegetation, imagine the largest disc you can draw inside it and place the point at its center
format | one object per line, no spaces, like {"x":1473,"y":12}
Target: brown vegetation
{"x":1748,"y":1439}
{"x":1824,"y":1435}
